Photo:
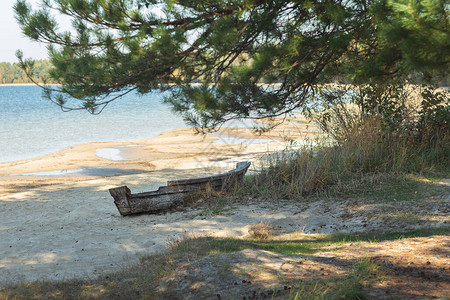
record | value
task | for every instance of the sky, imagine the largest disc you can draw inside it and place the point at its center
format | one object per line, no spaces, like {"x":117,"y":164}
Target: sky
{"x":12,"y":38}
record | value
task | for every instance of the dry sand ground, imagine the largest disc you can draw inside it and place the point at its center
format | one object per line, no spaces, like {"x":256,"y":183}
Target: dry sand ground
{"x":63,"y":226}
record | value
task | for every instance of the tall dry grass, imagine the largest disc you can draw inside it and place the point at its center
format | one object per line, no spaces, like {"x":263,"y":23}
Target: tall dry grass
{"x":358,"y":148}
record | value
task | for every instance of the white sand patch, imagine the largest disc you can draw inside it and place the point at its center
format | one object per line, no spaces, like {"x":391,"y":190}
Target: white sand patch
{"x":110,"y":153}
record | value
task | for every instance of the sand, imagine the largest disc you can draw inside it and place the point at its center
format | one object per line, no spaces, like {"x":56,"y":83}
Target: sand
{"x":58,"y":221}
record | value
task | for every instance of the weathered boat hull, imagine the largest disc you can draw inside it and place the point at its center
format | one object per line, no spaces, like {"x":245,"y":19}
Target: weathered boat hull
{"x":175,"y":192}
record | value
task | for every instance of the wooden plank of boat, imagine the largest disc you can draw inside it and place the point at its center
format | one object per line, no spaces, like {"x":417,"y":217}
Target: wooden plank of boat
{"x":174,"y":193}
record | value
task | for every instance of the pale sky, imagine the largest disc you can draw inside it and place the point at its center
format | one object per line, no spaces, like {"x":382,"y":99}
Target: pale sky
{"x":11,"y":37}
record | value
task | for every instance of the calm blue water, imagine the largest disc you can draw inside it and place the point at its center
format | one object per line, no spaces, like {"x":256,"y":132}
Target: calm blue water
{"x":31,"y":126}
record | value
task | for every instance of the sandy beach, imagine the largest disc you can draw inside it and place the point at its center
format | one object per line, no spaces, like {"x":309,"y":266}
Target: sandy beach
{"x":57,"y":219}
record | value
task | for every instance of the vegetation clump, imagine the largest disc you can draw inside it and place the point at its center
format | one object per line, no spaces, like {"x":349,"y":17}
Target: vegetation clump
{"x":261,"y":230}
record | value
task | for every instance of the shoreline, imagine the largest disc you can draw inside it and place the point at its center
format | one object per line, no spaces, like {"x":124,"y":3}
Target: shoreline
{"x":25,"y":84}
{"x":178,"y":148}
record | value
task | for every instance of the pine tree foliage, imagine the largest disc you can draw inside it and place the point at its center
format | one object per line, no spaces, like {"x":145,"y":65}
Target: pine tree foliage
{"x":417,"y":32}
{"x":231,"y":48}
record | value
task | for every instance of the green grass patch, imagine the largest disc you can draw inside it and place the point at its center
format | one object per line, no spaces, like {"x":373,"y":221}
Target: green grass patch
{"x":398,"y":187}
{"x":387,"y":236}
{"x":341,"y":288}
{"x":296,"y":244}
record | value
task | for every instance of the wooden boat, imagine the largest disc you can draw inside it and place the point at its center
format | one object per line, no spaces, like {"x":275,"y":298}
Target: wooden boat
{"x":174,"y":193}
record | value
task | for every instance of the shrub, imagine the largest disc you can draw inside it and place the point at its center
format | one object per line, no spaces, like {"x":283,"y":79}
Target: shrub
{"x":261,"y":230}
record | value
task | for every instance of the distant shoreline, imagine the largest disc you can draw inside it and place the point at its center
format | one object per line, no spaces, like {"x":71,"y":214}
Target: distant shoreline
{"x":25,"y":84}
{"x":17,"y":84}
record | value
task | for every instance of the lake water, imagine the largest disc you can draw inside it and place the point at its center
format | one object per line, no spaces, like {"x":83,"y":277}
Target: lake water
{"x":31,"y":126}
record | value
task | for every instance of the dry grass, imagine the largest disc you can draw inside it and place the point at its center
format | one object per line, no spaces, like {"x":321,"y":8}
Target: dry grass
{"x":334,"y":168}
{"x":261,"y":230}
